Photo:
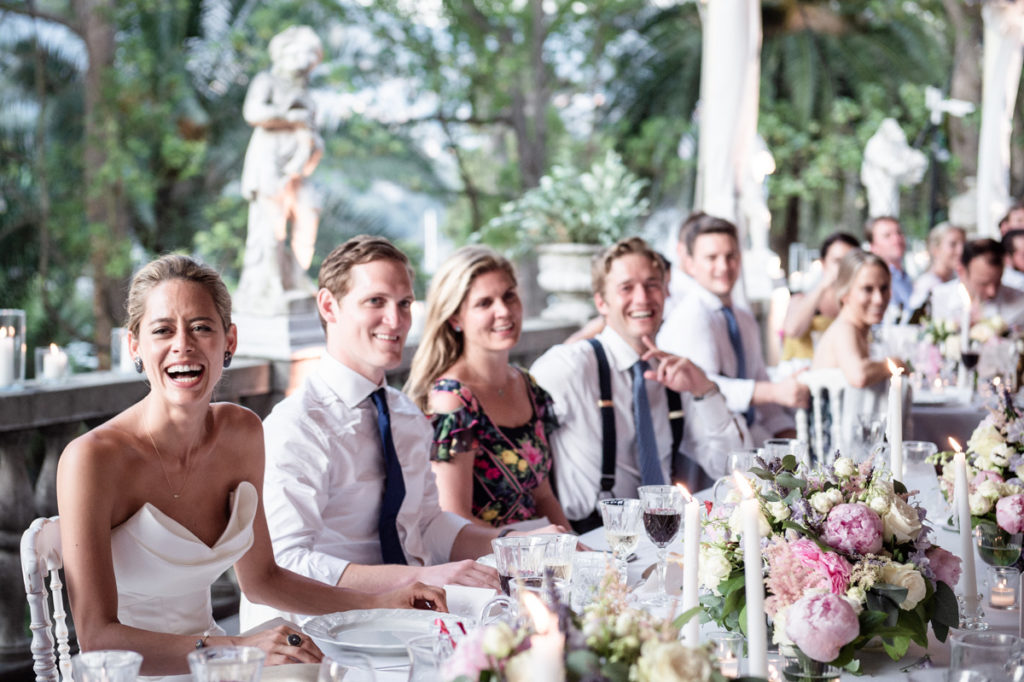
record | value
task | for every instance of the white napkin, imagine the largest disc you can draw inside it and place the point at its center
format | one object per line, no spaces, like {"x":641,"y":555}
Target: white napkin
{"x":467,"y":601}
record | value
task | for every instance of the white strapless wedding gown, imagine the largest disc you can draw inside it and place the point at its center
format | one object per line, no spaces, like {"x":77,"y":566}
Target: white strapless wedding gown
{"x":164,"y":571}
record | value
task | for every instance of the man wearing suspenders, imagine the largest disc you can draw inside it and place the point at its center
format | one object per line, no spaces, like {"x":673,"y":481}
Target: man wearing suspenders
{"x":630,"y":414}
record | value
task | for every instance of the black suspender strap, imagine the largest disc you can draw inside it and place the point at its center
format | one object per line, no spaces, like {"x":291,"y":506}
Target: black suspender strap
{"x":607,"y":407}
{"x":676,"y":419}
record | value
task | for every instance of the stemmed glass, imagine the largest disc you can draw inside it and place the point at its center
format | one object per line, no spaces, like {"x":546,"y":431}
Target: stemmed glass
{"x":622,"y":519}
{"x":1000,"y":550}
{"x":739,"y":460}
{"x":663,"y":511}
{"x":969,"y":356}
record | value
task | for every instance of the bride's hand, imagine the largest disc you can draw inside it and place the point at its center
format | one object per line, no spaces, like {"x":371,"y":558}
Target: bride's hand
{"x":274,"y":642}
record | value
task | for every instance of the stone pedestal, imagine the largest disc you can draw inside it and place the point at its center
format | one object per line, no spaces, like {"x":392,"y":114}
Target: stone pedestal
{"x":280,"y":337}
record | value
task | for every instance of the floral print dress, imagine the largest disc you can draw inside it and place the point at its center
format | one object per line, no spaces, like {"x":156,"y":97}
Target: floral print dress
{"x":510,"y":460}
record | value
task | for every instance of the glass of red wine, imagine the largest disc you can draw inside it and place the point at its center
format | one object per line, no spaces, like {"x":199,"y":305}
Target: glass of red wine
{"x":663,"y":510}
{"x":969,"y":356}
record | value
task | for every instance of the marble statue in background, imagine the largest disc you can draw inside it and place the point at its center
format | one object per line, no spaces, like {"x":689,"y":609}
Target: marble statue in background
{"x":284,"y":150}
{"x":888,"y":163}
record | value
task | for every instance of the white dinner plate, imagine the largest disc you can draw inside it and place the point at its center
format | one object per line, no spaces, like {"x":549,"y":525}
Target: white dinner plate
{"x":375,"y":631}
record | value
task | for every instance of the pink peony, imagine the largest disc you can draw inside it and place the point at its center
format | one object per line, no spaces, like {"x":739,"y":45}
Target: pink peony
{"x":854,"y":528}
{"x":983,"y":476}
{"x":1010,"y":513}
{"x":945,"y":565}
{"x":821,"y":625}
{"x":832,"y":565}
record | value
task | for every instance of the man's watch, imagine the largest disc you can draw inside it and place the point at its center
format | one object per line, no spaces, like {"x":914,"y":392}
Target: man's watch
{"x":713,"y":391}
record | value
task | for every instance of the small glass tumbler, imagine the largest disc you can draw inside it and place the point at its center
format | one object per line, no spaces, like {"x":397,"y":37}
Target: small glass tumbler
{"x":727,"y":648}
{"x":106,"y":666}
{"x":227,"y":664}
{"x":557,"y":562}
{"x":588,"y":571}
{"x":996,"y":655}
{"x":427,"y":654}
{"x":12,"y":347}
{"x":520,"y":558}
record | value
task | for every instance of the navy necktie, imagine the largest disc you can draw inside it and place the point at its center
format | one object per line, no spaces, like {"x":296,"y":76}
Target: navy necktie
{"x":394,"y":485}
{"x":737,"y":348}
{"x":646,"y":446}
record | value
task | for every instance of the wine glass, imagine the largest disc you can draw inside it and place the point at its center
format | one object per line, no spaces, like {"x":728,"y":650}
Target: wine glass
{"x":969,"y":356}
{"x":739,"y":460}
{"x":1000,"y":550}
{"x":622,"y":519}
{"x":663,"y":511}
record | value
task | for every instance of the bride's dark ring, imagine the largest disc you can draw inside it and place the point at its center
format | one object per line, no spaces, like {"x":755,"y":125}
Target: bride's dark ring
{"x":294,"y":639}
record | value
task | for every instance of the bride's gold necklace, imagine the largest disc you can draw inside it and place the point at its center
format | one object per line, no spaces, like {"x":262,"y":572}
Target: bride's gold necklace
{"x":188,"y":466}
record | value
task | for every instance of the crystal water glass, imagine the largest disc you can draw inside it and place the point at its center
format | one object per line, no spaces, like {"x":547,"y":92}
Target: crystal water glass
{"x":1000,"y":550}
{"x":623,"y":522}
{"x":663,"y":511}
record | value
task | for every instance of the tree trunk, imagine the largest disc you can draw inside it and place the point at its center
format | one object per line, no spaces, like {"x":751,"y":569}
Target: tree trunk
{"x":965,"y":84}
{"x":530,"y":105}
{"x":103,"y":196}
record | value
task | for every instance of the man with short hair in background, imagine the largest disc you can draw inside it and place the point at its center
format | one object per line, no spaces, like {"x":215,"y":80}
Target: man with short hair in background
{"x":886,"y":240}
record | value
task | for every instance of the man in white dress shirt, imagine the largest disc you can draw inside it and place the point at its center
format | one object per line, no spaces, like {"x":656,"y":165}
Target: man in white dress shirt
{"x":886,"y":240}
{"x":981,"y":271}
{"x":724,"y":340}
{"x":629,"y":292}
{"x":1013,"y":266}
{"x":343,"y":506}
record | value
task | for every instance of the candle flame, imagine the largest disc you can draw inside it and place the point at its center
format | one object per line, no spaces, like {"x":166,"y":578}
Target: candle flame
{"x":894,"y":369}
{"x":686,"y":493}
{"x":543,"y":620}
{"x":3,"y":332}
{"x":996,"y":381}
{"x":743,"y":485}
{"x":54,"y":349}
{"x":955,"y":444}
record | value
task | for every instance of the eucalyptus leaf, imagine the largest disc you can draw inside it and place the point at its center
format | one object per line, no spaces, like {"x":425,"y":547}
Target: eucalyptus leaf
{"x":788,"y":480}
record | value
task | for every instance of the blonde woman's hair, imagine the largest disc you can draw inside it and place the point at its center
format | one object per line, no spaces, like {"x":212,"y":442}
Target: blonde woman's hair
{"x":850,"y":265}
{"x":440,"y":345}
{"x":166,"y":268}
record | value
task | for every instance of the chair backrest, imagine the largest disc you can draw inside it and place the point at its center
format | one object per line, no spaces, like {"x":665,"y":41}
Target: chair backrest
{"x":41,"y":557}
{"x":819,"y":382}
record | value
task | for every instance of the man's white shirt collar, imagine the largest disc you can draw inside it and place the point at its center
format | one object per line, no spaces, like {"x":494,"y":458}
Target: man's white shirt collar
{"x":350,"y":386}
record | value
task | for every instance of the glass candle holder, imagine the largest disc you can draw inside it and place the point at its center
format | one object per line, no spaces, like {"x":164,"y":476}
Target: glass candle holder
{"x":1003,"y":583}
{"x":12,"y":347}
{"x":51,"y":363}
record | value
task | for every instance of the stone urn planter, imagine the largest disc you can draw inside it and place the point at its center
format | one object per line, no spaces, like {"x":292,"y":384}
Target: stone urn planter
{"x":564,"y":273}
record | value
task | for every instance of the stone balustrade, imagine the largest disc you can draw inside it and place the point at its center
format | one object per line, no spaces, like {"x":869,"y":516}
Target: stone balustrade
{"x":38,"y":420}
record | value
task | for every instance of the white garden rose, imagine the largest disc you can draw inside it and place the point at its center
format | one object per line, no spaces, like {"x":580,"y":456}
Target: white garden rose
{"x":779,"y":510}
{"x":779,"y":628}
{"x":498,"y":640}
{"x":844,"y":467}
{"x":671,"y":662}
{"x":901,"y":521}
{"x":979,"y":504}
{"x":714,"y":567}
{"x":625,"y":623}
{"x":736,"y":523}
{"x":984,"y":439}
{"x":856,"y":595}
{"x":826,"y":499}
{"x":990,"y":489}
{"x":905,"y":575}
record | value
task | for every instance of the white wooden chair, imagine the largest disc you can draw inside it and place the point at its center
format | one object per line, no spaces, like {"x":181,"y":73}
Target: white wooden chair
{"x":821,"y":381}
{"x":41,"y":557}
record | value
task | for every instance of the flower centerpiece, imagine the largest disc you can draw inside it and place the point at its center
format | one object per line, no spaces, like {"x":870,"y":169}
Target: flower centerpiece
{"x":995,"y":461}
{"x":847,"y":559}
{"x":609,"y":642}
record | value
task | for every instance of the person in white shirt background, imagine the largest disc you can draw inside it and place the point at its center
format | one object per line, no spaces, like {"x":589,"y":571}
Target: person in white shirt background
{"x":1013,"y":266}
{"x":629,"y":292}
{"x":981,"y":271}
{"x":945,"y":246}
{"x":329,"y":477}
{"x":725,"y":341}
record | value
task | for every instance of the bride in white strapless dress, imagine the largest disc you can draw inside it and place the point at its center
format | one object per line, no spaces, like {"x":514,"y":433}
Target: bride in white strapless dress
{"x":160,"y":500}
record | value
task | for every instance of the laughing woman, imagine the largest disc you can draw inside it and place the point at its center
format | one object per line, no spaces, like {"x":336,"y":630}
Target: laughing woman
{"x":160,"y":500}
{"x":491,"y":454}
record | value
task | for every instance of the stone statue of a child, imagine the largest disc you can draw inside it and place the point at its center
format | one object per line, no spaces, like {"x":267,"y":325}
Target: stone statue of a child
{"x":283,"y":151}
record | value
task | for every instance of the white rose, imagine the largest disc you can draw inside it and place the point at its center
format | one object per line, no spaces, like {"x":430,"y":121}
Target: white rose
{"x":905,"y":575}
{"x":671,"y":662}
{"x":714,"y":567}
{"x":826,"y":499}
{"x":498,"y":640}
{"x":779,"y":510}
{"x":901,"y":522}
{"x":779,"y":628}
{"x":979,"y":504}
{"x":856,"y":595}
{"x":990,"y":489}
{"x":521,"y":667}
{"x":736,"y":523}
{"x":844,"y":467}
{"x":984,"y":439}
{"x":624,"y":624}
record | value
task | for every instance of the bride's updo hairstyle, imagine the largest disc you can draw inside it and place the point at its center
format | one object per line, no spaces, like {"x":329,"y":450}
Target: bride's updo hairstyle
{"x":174,"y":266}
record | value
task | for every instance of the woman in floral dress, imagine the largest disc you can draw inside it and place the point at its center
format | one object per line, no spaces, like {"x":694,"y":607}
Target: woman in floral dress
{"x":491,"y":420}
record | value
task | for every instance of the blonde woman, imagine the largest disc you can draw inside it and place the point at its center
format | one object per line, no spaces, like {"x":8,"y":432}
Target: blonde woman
{"x":492,"y":457}
{"x":160,"y":500}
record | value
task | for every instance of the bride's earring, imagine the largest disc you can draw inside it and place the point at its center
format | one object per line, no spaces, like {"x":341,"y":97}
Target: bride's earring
{"x":138,"y":364}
